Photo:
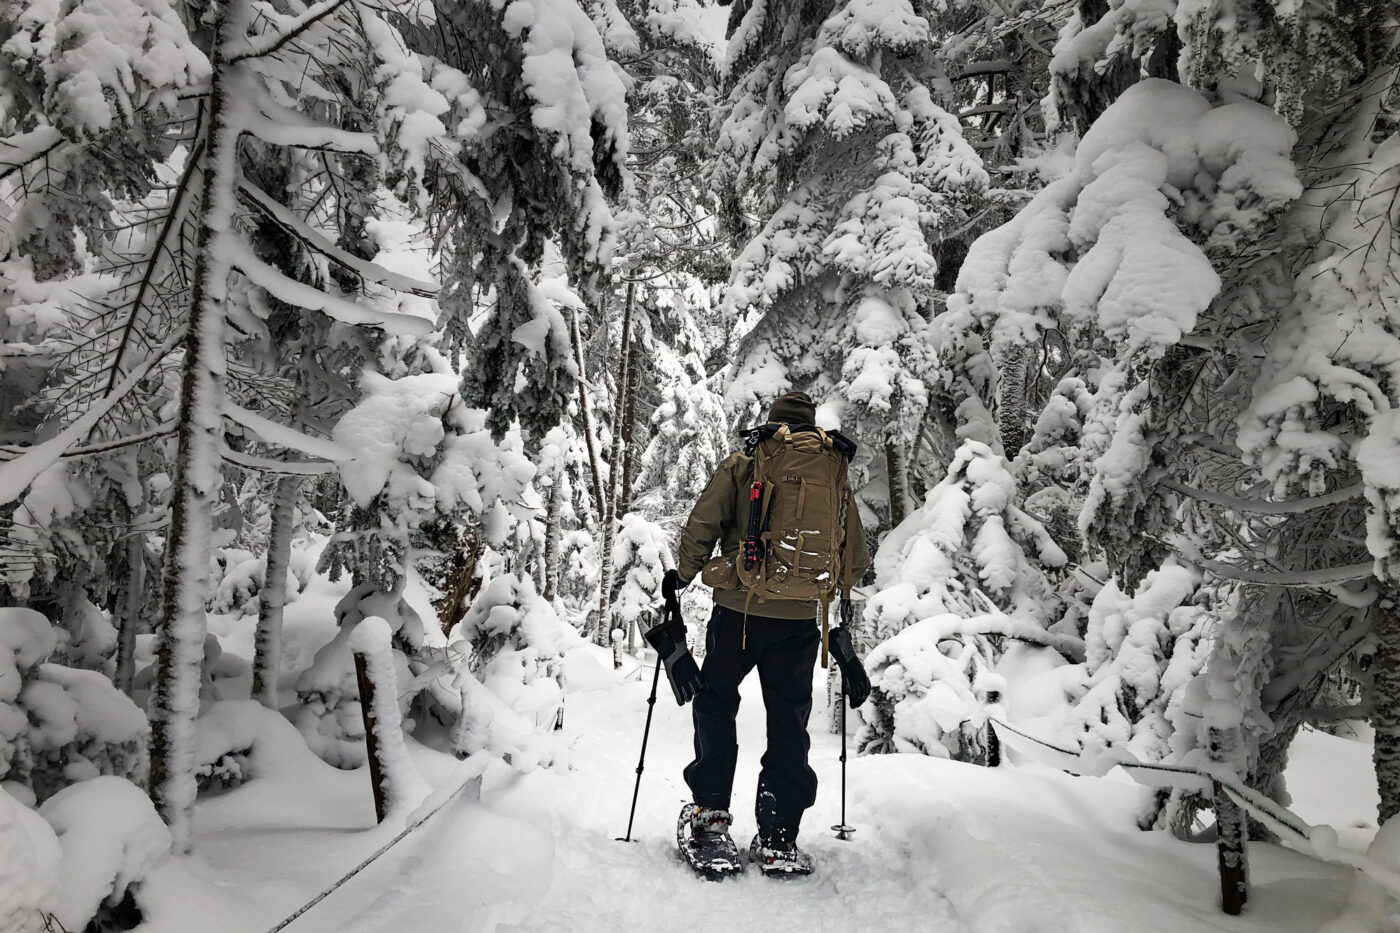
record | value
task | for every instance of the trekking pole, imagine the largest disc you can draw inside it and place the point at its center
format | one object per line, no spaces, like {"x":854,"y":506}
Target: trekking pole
{"x":646,"y":733}
{"x":843,"y":832}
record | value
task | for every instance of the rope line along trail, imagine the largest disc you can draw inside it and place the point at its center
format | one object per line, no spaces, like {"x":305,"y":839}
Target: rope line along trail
{"x":413,"y":824}
{"x":1317,"y":841}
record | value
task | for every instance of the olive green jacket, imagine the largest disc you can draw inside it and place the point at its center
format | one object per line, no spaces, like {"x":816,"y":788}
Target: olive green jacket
{"x":719,"y":517}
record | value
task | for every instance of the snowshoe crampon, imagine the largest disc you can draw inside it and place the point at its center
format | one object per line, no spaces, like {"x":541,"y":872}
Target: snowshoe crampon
{"x":702,"y":836}
{"x":779,"y":860}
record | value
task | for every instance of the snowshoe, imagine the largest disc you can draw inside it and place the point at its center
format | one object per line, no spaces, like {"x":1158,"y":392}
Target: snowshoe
{"x":702,"y":836}
{"x":779,"y":859}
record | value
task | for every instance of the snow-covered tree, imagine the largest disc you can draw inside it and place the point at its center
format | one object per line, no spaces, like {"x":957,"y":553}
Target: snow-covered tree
{"x":512,"y":686}
{"x":1184,"y":255}
{"x":834,"y":134}
{"x":500,"y":188}
{"x":968,"y":548}
{"x":641,"y":556}
{"x":213,"y":103}
{"x":964,"y":572}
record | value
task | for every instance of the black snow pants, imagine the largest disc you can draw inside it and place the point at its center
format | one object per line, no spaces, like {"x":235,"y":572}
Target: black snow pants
{"x":785,"y":652}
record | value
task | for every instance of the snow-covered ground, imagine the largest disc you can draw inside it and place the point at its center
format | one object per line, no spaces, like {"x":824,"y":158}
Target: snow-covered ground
{"x":939,"y":845}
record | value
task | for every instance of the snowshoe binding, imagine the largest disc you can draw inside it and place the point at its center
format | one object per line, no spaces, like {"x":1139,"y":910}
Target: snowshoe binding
{"x":702,"y":835}
{"x":779,"y":859}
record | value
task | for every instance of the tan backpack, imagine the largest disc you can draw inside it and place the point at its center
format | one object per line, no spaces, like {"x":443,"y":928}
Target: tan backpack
{"x":802,"y":491}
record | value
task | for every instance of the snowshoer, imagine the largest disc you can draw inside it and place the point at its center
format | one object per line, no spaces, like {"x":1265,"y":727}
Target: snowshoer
{"x":790,"y":539}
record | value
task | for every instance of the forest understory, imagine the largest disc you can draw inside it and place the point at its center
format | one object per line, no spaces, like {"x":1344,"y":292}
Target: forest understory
{"x":361,"y":362}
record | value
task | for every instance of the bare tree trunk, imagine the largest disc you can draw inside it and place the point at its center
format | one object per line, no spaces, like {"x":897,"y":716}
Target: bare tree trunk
{"x":459,"y":585}
{"x":125,"y":674}
{"x":588,"y":439}
{"x":267,"y":640}
{"x":1385,"y":705}
{"x":605,"y":575}
{"x":894,"y":470}
{"x":180,"y":636}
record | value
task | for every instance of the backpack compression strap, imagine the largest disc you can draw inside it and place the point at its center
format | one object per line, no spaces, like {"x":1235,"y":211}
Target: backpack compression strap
{"x":755,"y":436}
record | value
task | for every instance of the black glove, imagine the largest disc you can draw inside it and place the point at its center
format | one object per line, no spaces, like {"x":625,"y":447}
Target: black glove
{"x":668,"y":639}
{"x":671,"y":586}
{"x":857,"y":684}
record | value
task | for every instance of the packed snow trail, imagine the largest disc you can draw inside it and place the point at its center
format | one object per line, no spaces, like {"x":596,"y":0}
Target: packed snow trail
{"x":939,"y":845}
{"x":540,"y":852}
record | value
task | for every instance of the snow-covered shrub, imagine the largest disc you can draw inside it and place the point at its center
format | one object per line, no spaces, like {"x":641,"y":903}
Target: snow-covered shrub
{"x":968,"y":538}
{"x":641,"y":555}
{"x":240,"y":574}
{"x":420,"y":461}
{"x":329,"y":716}
{"x":512,"y":686}
{"x":60,"y":725}
{"x":423,"y":466}
{"x":580,"y":571}
{"x":223,"y":746}
{"x":964,"y":568}
{"x":932,"y":689}
{"x":111,"y":840}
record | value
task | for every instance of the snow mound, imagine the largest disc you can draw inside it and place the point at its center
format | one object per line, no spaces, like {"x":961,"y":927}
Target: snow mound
{"x":111,"y":839}
{"x":29,"y":857}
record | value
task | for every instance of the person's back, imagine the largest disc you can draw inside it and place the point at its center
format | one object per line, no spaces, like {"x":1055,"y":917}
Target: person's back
{"x":752,"y":626}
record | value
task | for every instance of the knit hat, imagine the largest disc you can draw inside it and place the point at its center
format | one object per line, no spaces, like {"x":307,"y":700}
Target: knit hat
{"x":793,"y":408}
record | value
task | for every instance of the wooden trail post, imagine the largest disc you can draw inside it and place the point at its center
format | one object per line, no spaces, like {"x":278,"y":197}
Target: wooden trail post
{"x":376,"y":771}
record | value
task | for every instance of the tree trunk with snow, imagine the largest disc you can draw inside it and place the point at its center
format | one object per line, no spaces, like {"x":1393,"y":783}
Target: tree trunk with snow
{"x":629,"y":433}
{"x":610,"y":517}
{"x":461,"y":584}
{"x":553,"y":535}
{"x":267,"y":640}
{"x":587,"y":417}
{"x":629,"y":457}
{"x":196,"y":480}
{"x":894,"y":470}
{"x":1011,"y":399}
{"x":1385,"y":705}
{"x":1231,"y":857}
{"x":125,"y":674}
{"x":369,"y":696}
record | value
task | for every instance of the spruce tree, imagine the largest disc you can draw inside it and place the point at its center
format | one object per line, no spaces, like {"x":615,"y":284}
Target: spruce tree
{"x":833,"y":133}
